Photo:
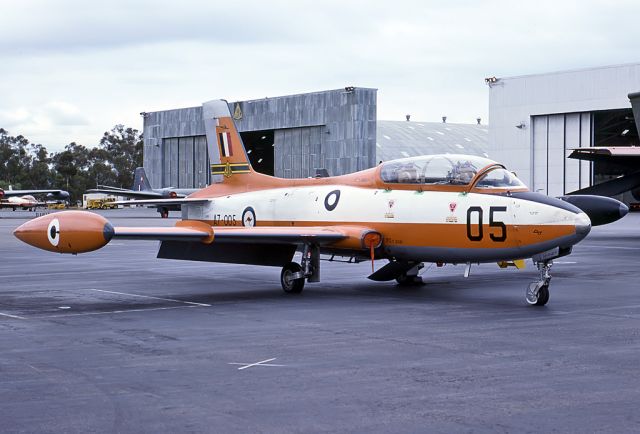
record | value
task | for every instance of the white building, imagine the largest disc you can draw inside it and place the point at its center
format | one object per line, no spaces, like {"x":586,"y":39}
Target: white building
{"x":535,"y":120}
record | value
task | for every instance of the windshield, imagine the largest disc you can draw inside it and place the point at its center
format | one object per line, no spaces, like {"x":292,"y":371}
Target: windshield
{"x":449,"y":169}
{"x":499,"y":178}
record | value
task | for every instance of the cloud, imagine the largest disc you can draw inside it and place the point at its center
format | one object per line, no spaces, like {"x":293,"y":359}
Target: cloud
{"x":54,"y":118}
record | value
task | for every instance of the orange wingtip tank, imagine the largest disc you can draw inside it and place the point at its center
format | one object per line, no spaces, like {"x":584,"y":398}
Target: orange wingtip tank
{"x":67,"y":232}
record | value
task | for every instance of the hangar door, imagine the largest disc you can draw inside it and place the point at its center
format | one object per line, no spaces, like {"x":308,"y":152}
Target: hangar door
{"x":185,"y":162}
{"x":299,"y":151}
{"x":553,"y":137}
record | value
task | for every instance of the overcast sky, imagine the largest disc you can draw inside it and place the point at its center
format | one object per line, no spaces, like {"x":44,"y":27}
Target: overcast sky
{"x":70,"y":70}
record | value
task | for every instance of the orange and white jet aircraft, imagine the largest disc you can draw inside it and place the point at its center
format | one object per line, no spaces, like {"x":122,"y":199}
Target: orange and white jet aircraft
{"x":441,"y":208}
{"x":26,"y":202}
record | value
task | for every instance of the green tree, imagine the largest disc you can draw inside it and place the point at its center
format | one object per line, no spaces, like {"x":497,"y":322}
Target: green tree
{"x":124,"y":146}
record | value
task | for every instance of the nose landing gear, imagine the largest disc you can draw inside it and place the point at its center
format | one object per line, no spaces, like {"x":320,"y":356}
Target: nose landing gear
{"x":538,"y":292}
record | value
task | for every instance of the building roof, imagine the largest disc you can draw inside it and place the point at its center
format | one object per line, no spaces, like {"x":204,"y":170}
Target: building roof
{"x":401,"y":139}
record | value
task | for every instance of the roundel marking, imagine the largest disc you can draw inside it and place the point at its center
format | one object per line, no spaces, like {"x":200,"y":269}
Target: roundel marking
{"x":332,"y":199}
{"x":248,"y":217}
{"x":53,"y":232}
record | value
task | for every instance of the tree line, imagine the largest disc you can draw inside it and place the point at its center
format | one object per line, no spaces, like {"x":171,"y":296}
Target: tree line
{"x":26,"y":165}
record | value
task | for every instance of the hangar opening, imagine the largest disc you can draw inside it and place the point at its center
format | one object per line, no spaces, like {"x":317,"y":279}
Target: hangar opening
{"x":614,"y":128}
{"x":260,"y":147}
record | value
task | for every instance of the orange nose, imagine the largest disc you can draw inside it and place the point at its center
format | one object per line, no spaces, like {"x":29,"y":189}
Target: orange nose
{"x":66,"y":232}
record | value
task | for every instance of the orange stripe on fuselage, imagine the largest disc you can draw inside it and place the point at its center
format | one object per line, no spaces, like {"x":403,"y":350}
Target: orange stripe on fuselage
{"x":439,"y":234}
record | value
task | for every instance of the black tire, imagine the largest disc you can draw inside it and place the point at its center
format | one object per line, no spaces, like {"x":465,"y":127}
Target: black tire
{"x":404,"y":280}
{"x":543,"y":296}
{"x":289,"y":285}
{"x":413,"y":280}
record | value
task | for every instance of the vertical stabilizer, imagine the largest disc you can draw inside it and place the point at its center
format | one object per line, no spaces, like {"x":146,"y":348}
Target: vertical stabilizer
{"x":226,"y":150}
{"x":140,"y":181}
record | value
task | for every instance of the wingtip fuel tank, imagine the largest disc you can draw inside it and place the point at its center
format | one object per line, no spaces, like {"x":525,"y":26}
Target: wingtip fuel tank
{"x":66,"y":232}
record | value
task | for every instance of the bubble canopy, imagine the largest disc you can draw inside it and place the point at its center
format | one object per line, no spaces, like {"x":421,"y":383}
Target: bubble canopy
{"x":447,"y":169}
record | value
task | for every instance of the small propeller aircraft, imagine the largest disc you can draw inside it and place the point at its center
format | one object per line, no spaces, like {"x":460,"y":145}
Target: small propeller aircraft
{"x":455,"y":209}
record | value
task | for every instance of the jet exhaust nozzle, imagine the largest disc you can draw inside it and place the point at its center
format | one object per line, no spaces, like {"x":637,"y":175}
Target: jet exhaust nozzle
{"x":66,"y":232}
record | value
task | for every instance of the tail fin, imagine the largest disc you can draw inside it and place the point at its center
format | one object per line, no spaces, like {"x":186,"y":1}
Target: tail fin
{"x":140,"y":181}
{"x":226,"y":150}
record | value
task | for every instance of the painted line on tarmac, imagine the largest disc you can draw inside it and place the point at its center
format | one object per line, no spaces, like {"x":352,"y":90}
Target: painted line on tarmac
{"x":611,"y":247}
{"x":250,"y":365}
{"x":12,"y":316}
{"x":149,"y":296}
{"x":114,"y":312}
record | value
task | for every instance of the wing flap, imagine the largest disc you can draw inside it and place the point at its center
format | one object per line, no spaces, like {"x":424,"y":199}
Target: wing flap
{"x":279,"y":235}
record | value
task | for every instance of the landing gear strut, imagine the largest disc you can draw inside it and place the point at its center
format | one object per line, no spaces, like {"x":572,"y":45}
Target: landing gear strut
{"x":538,"y":292}
{"x":293,"y":275}
{"x":410,"y":277}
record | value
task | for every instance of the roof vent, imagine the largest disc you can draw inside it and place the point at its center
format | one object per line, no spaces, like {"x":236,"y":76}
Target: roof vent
{"x":408,"y":117}
{"x":479,"y":121}
{"x":444,"y":119}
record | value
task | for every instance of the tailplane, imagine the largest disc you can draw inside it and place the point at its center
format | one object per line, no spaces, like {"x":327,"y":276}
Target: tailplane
{"x":140,"y":181}
{"x":226,"y":149}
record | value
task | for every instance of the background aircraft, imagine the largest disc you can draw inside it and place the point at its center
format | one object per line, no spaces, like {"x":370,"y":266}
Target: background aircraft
{"x":54,"y":194}
{"x":26,"y":202}
{"x":25,"y":199}
{"x":141,"y":189}
{"x":442,"y":208}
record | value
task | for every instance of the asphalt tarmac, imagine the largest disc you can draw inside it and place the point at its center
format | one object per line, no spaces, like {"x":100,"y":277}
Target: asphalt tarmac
{"x":118,"y":341}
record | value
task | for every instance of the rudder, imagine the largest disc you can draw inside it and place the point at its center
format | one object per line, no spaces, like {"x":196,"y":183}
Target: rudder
{"x":226,"y":149}
{"x":140,"y":181}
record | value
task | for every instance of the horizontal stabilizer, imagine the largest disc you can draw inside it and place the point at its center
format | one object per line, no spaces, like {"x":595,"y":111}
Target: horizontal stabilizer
{"x":612,"y":187}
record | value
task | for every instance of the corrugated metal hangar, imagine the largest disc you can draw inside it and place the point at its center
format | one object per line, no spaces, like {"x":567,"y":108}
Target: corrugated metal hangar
{"x":292,"y":136}
{"x":535,"y":120}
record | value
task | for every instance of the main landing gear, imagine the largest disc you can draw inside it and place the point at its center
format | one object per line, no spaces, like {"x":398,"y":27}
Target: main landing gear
{"x":538,"y":292}
{"x":293,"y":275}
{"x":410,"y":277}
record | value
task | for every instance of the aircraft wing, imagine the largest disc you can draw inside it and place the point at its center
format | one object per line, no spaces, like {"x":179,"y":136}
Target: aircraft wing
{"x":162,"y":202}
{"x":82,"y":231}
{"x":279,"y":235}
{"x":9,"y":193}
{"x":128,"y":193}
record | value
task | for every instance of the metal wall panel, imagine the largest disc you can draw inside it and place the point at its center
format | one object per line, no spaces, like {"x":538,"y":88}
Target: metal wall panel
{"x":556,"y":157}
{"x":586,"y":167}
{"x":539,"y":155}
{"x":185,"y":164}
{"x":201,"y":162}
{"x":572,"y":141}
{"x":553,"y":138}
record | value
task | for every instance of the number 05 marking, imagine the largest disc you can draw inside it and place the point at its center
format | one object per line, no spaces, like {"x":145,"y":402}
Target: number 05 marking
{"x":500,"y":236}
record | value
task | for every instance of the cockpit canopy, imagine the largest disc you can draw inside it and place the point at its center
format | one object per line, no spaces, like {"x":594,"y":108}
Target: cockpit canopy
{"x":448,"y":169}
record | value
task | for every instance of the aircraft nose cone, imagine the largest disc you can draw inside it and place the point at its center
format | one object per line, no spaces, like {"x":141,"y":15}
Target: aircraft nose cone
{"x":624,"y":210}
{"x":583,"y":225}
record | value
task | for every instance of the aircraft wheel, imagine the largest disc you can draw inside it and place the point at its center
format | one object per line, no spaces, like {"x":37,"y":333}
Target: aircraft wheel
{"x":290,"y":284}
{"x":404,"y":280}
{"x":542,"y":297}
